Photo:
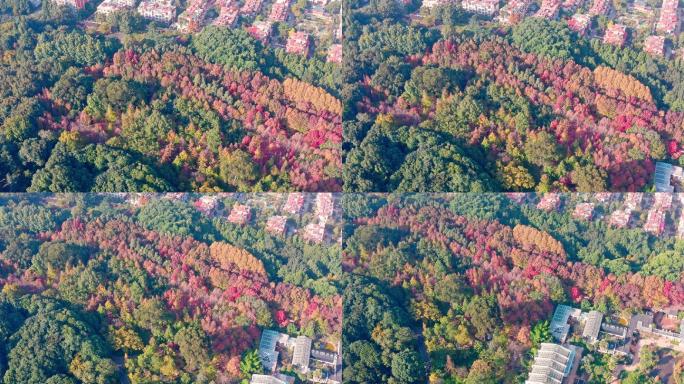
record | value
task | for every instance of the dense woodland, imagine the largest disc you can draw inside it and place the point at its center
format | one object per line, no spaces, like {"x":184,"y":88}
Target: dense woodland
{"x":459,"y":288}
{"x":143,"y":109}
{"x":453,"y":103}
{"x":93,"y":290}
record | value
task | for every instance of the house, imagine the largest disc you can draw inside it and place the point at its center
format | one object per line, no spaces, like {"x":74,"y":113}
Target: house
{"x":655,"y":45}
{"x":662,"y":201}
{"x":616,"y":34}
{"x":549,"y":202}
{"x":78,"y":4}
{"x":207,"y":204}
{"x":302,"y":353}
{"x":434,"y":3}
{"x":325,"y":204}
{"x":227,"y":17}
{"x":514,"y":11}
{"x":251,"y":7}
{"x":108,"y":6}
{"x":633,"y":200}
{"x":298,"y":43}
{"x":603,"y":196}
{"x":548,"y":9}
{"x":294,"y":203}
{"x":279,"y":11}
{"x":598,"y":7}
{"x":655,"y":222}
{"x":260,"y":30}
{"x":162,"y":11}
{"x":552,"y":364}
{"x":192,"y":18}
{"x":647,"y":323}
{"x":334,"y":54}
{"x":276,"y":225}
{"x":620,"y":218}
{"x":583,"y":211}
{"x":482,"y":7}
{"x":668,"y":22}
{"x":315,"y":232}
{"x":579,"y":23}
{"x":240,"y":214}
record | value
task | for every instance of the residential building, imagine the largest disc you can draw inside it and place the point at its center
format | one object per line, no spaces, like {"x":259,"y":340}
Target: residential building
{"x":240,"y":214}
{"x":668,"y":22}
{"x":108,"y":6}
{"x":655,"y":222}
{"x":598,"y":7}
{"x":162,"y":11}
{"x":616,"y":34}
{"x":334,"y":54}
{"x":662,"y":201}
{"x":298,"y":43}
{"x":207,"y":204}
{"x":482,"y":7}
{"x":276,"y":225}
{"x":279,"y":10}
{"x":78,"y":4}
{"x":315,"y":232}
{"x":633,"y":200}
{"x":251,"y":7}
{"x":260,"y":30}
{"x":549,"y":202}
{"x":227,"y":17}
{"x":514,"y":11}
{"x":655,"y":45}
{"x":294,"y":203}
{"x":583,"y":211}
{"x":548,"y":9}
{"x":620,"y":218}
{"x":579,"y":23}
{"x":325,"y":204}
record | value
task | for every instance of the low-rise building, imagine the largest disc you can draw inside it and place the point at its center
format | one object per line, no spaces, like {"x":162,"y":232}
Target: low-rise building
{"x":662,"y":201}
{"x":325,"y":204}
{"x":655,"y":45}
{"x":549,"y":9}
{"x":583,"y":211}
{"x":633,"y":200}
{"x":279,"y":11}
{"x":78,"y":4}
{"x":514,"y":11}
{"x":302,"y":353}
{"x":240,"y":214}
{"x":599,"y":7}
{"x":294,"y":203}
{"x":298,"y":43}
{"x":276,"y":225}
{"x":668,"y":22}
{"x":579,"y":23}
{"x":162,"y":11}
{"x":109,"y":6}
{"x":616,"y":34}
{"x":549,"y":202}
{"x":315,"y":232}
{"x":620,"y":218}
{"x":334,"y":54}
{"x":277,"y":378}
{"x":227,"y":17}
{"x":655,"y":222}
{"x":482,"y":7}
{"x":261,"y":30}
{"x":251,"y":7}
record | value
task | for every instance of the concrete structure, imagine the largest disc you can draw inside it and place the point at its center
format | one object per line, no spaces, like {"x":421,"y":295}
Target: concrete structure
{"x":549,"y":9}
{"x":251,"y":7}
{"x":560,"y":326}
{"x":655,"y":45}
{"x":633,"y":200}
{"x":482,"y":7}
{"x":260,"y":30}
{"x":598,"y":7}
{"x":668,"y":22}
{"x":272,"y":379}
{"x":592,"y":326}
{"x":616,"y":34}
{"x":108,"y":6}
{"x":549,"y":202}
{"x":276,"y":225}
{"x":325,"y":204}
{"x":279,"y":10}
{"x":294,"y":203}
{"x":334,"y":54}
{"x":78,"y":4}
{"x":620,"y":218}
{"x":162,"y":11}
{"x":226,"y":17}
{"x":514,"y":11}
{"x":315,"y":232}
{"x":298,"y":43}
{"x":579,"y":23}
{"x":655,"y":222}
{"x":240,"y":214}
{"x":583,"y":211}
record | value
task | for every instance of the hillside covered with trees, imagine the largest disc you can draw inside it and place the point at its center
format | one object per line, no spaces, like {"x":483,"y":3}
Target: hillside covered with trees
{"x":152,"y":110}
{"x":460,"y":288}
{"x":455,"y":103}
{"x":98,"y":289}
